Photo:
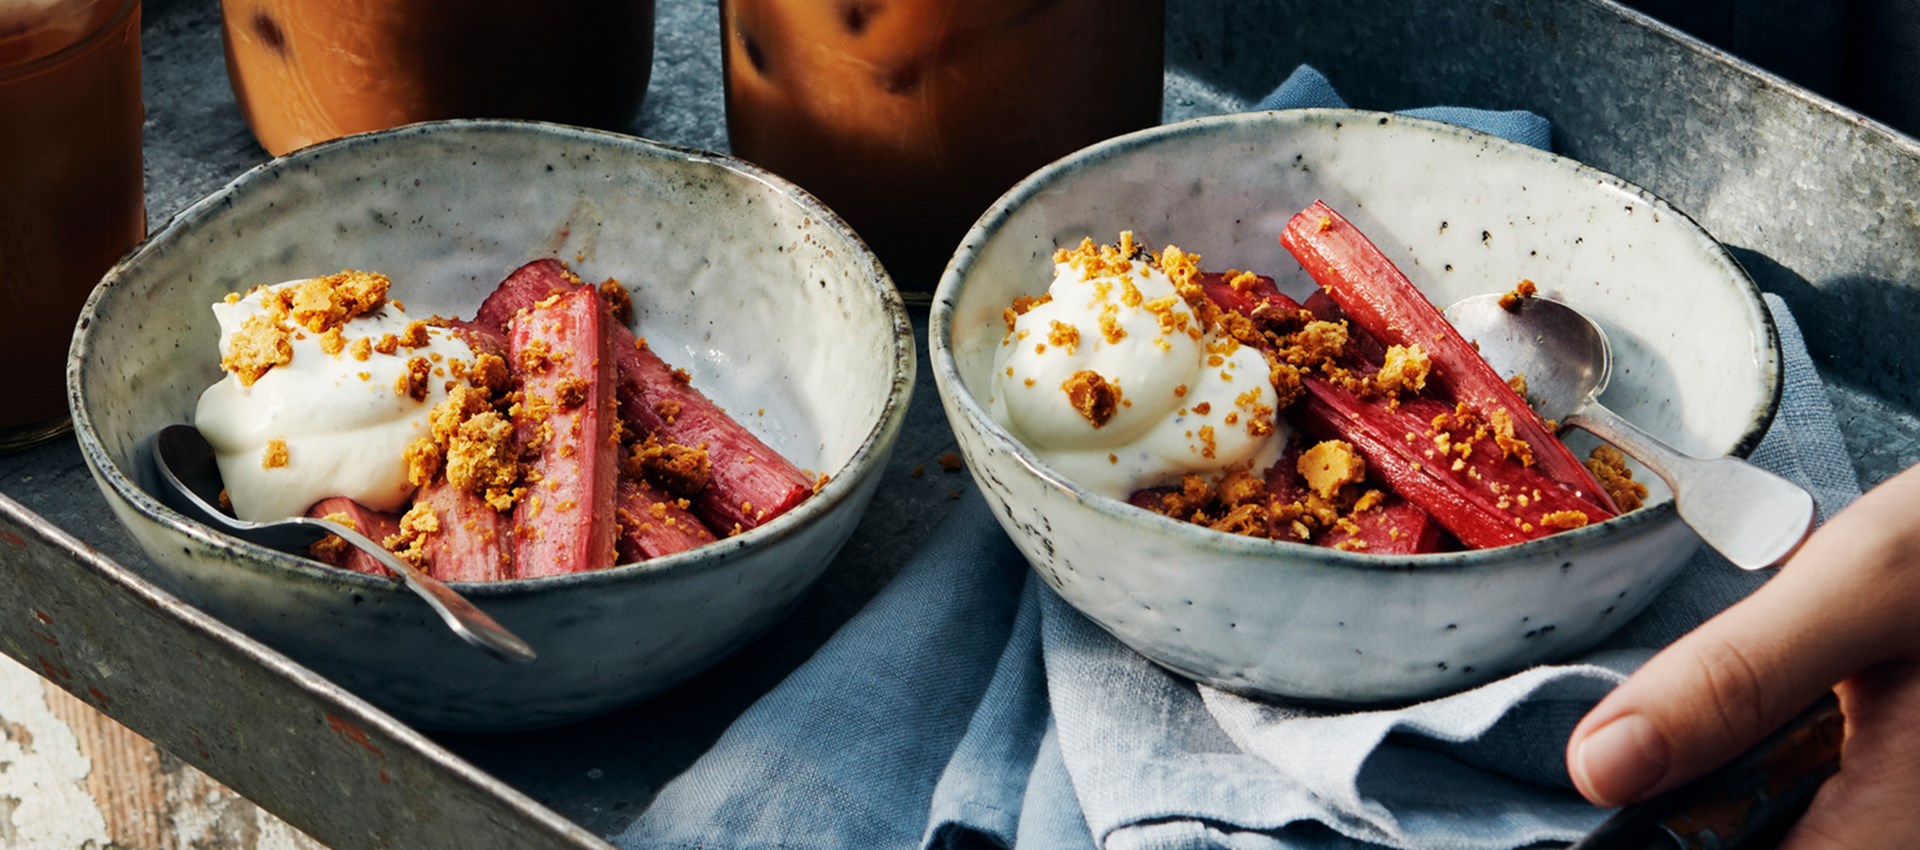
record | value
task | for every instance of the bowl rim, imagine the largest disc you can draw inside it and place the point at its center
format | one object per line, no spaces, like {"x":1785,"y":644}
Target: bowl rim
{"x":866,"y":459}
{"x":962,"y":403}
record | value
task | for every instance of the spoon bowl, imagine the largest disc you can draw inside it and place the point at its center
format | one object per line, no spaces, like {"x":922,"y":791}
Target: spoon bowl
{"x":1754,"y":518}
{"x":185,"y":462}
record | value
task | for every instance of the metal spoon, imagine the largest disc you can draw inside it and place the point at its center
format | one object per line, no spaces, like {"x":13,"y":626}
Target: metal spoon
{"x":185,"y":461}
{"x":1753,"y":517}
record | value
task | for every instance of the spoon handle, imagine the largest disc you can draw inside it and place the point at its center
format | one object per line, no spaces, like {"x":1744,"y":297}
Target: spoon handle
{"x":470,"y":623}
{"x":1753,"y":517}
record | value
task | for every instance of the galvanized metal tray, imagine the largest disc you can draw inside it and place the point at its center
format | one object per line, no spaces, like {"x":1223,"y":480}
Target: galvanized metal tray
{"x":1816,"y":201}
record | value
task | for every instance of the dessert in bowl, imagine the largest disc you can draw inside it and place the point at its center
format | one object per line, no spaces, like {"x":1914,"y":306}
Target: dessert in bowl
{"x":771,"y":304}
{"x":1462,"y":214}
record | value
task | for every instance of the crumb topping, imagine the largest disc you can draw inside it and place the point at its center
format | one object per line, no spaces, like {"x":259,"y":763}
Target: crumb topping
{"x":1609,"y":466}
{"x":677,"y":469}
{"x":1404,"y":371}
{"x":1094,"y":397}
{"x":414,"y":382}
{"x":327,"y":302}
{"x":275,"y":455}
{"x":618,"y":300}
{"x":410,"y":542}
{"x":261,"y":344}
{"x":1331,"y":465}
{"x":1522,"y":291}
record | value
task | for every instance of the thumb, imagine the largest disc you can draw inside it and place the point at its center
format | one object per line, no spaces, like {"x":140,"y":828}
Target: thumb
{"x":1721,"y":688}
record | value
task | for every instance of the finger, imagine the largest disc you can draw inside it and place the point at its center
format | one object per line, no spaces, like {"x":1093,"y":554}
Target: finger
{"x":1870,"y":803}
{"x":1837,"y":607}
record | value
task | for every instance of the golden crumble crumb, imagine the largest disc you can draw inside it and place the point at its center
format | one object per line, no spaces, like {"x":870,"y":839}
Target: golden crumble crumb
{"x":361,"y":348}
{"x":414,"y":335}
{"x":333,"y":341}
{"x":259,"y":345}
{"x":423,"y":461}
{"x":1021,"y":304}
{"x":481,"y":460}
{"x":1110,"y":328}
{"x":415,"y":382}
{"x":535,"y":357}
{"x":275,"y":456}
{"x":1064,"y":335}
{"x":1404,"y":371}
{"x":327,"y":302}
{"x":1503,"y":436}
{"x":1096,"y":399}
{"x":668,"y":409}
{"x":410,"y":542}
{"x":1562,"y":520}
{"x":489,"y":371}
{"x":332,"y":547}
{"x":387,"y":344}
{"x":1522,"y":291}
{"x":618,"y":300}
{"x":571,"y":392}
{"x":1609,"y":467}
{"x":1330,"y":465}
{"x":1203,"y":408}
{"x":950,"y":461}
{"x":1518,"y":383}
{"x":679,"y":470}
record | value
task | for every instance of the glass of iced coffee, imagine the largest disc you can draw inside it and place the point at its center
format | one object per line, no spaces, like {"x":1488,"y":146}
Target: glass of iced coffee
{"x":909,"y":117}
{"x":306,"y":71}
{"x":70,"y":187}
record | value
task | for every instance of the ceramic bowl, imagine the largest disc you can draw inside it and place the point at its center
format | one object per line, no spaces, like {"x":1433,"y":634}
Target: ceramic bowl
{"x":1462,"y":213}
{"x":768,"y":299}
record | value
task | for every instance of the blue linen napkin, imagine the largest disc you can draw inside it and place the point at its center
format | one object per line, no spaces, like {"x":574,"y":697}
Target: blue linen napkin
{"x":968,"y":705}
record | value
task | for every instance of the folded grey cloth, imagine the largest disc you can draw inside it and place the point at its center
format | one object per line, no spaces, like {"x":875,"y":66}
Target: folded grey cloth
{"x":968,"y":705}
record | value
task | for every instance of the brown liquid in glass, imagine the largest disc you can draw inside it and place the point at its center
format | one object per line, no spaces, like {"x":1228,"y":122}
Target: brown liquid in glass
{"x":70,"y":194}
{"x":909,"y":117}
{"x":306,"y":71}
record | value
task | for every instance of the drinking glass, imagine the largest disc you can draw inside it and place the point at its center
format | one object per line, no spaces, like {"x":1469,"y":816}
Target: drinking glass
{"x":70,"y":188}
{"x":306,"y":71}
{"x":909,"y":117}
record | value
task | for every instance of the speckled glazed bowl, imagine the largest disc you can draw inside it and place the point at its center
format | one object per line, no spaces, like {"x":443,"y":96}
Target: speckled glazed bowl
{"x":774,"y":306}
{"x":1462,"y":213}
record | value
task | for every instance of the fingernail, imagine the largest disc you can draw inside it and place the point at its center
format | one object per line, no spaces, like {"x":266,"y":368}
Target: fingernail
{"x":1621,"y":760}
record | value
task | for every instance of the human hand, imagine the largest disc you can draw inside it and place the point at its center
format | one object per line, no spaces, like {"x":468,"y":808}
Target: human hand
{"x":1844,"y":613}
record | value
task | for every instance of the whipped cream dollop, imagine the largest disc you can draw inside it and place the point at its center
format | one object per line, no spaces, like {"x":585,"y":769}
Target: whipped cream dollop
{"x":335,"y":417}
{"x":1112,"y":380}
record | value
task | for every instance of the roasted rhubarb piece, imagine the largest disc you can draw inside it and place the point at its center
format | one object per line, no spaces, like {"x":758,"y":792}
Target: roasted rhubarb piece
{"x":1376,"y":296}
{"x":375,"y":525}
{"x":558,"y":349}
{"x":526,"y":286}
{"x":470,"y":540}
{"x":751,"y":483}
{"x":1448,"y":462}
{"x":1460,"y":468}
{"x":653,"y":524}
{"x":1376,"y":522}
